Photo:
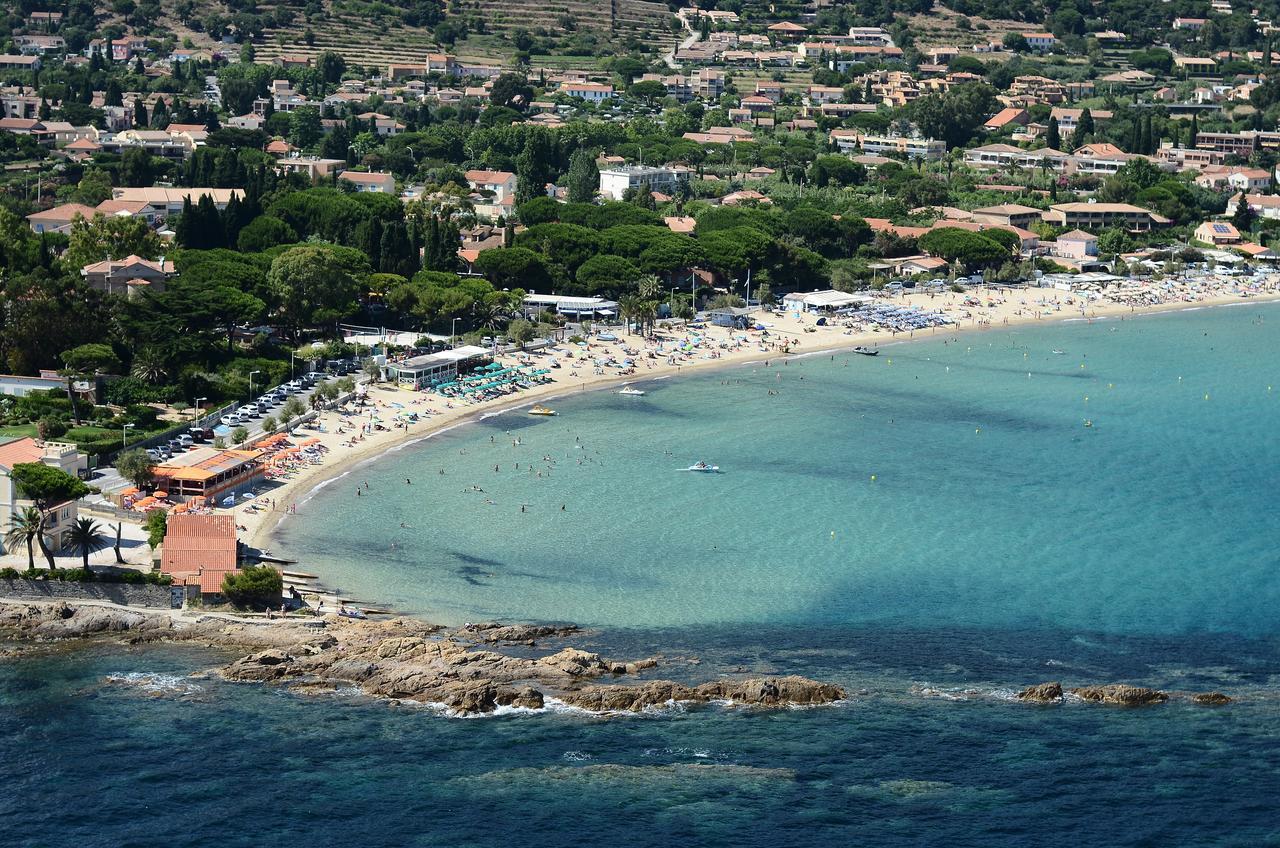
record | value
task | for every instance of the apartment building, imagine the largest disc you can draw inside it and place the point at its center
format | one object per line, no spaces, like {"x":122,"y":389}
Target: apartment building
{"x":1101,"y":216}
{"x":616,"y":181}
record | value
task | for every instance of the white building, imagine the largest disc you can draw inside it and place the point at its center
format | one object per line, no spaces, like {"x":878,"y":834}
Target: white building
{"x":592,"y":92}
{"x":614,"y":182}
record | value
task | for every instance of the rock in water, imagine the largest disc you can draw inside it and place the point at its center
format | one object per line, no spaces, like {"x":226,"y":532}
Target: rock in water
{"x":261,"y":667}
{"x":1043,"y":693}
{"x":1211,"y":699}
{"x":1120,"y":694}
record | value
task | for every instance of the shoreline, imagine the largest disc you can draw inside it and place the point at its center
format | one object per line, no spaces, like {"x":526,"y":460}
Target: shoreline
{"x":262,"y":526}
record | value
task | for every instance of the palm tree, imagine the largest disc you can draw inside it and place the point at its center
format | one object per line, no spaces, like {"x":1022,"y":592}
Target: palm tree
{"x":148,"y":366}
{"x":86,"y":537}
{"x":24,"y":527}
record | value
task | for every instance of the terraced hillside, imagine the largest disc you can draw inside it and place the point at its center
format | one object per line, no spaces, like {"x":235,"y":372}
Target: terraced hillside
{"x":379,"y":42}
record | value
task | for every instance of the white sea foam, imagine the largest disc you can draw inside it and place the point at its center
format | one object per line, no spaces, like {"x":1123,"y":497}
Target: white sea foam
{"x":154,"y":682}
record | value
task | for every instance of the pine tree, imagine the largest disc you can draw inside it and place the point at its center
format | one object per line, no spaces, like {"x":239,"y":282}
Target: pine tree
{"x":1052,"y":136}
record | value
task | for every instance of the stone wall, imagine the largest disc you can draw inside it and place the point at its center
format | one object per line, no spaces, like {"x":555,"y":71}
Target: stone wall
{"x":155,"y":597}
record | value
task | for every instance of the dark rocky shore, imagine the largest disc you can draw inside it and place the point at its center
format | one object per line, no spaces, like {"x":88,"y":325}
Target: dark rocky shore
{"x":407,"y":659}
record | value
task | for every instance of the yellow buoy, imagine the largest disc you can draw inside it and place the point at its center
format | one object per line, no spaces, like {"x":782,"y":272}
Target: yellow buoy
{"x":1111,"y":385}
{"x":1081,"y":364}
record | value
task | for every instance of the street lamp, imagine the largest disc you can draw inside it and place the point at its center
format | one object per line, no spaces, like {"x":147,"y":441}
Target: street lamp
{"x":453,"y":332}
{"x":251,"y":373}
{"x":124,"y":434}
{"x":196,"y":414}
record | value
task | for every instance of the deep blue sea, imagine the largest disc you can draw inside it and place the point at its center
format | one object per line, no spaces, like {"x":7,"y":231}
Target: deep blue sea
{"x":932,"y":528}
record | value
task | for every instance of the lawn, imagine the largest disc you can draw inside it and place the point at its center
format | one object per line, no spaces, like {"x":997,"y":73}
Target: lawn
{"x":18,"y":431}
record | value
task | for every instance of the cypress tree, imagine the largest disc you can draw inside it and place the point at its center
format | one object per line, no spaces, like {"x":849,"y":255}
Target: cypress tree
{"x":182,"y":230}
{"x":1052,"y":136}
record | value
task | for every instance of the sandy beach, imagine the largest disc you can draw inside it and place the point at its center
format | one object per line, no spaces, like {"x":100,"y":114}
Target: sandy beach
{"x":788,"y":335}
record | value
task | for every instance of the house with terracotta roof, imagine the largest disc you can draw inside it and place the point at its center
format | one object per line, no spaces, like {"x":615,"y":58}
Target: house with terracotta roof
{"x":58,"y":455}
{"x":1008,"y":116}
{"x":1076,"y":249}
{"x":376,"y":183}
{"x":1216,"y":233}
{"x":199,"y":551}
{"x":498,"y":184}
{"x":129,"y":276}
{"x":60,"y":218}
{"x":592,"y":92}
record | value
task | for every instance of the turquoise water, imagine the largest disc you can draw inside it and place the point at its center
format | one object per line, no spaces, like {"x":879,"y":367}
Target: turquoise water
{"x":992,"y":504}
{"x":1001,"y":543}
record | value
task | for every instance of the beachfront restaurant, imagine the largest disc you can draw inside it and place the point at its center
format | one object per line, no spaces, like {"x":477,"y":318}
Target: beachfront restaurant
{"x":573,"y":308}
{"x":435,"y":368}
{"x":829,"y":300}
{"x":208,"y":473}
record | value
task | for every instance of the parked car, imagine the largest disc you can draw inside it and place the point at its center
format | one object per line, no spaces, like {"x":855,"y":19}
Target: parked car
{"x":185,"y":440}
{"x":201,"y":434}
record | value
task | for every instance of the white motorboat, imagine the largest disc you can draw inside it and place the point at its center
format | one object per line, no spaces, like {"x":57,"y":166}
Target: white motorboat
{"x":630,"y":391}
{"x":704,"y":468}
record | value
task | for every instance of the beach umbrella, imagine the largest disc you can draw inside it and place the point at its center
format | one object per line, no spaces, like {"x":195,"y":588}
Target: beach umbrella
{"x":160,"y":494}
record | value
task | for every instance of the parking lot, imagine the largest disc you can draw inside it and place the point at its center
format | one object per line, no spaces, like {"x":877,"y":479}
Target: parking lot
{"x":248,"y":415}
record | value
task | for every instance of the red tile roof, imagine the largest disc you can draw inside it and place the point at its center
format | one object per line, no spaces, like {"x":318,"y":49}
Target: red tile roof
{"x":199,"y":542}
{"x":20,"y":450}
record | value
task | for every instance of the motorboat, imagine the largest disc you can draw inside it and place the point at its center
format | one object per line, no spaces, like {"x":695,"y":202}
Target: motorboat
{"x":866,"y":351}
{"x":627,"y":390}
{"x":704,"y":468}
{"x":1059,"y":352}
{"x":541,"y":410}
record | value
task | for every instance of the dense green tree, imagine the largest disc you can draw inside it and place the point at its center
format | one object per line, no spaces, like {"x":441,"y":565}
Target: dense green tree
{"x":135,"y":466}
{"x":583,"y":179}
{"x":110,"y":237}
{"x":973,"y":250}
{"x":608,"y":276}
{"x":506,"y":267}
{"x":315,"y":287}
{"x":1052,"y":136}
{"x":511,"y":91}
{"x":256,"y":587}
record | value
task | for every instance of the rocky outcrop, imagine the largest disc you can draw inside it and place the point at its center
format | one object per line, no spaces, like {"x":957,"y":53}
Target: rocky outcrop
{"x":1210,"y":699}
{"x":760,"y":692}
{"x":1042,"y":693}
{"x":468,"y":680}
{"x":518,"y":633}
{"x":71,"y":621}
{"x":262,"y":667}
{"x":1120,"y":694}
